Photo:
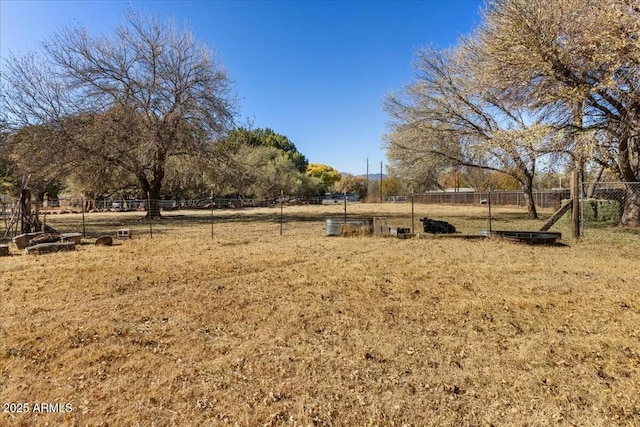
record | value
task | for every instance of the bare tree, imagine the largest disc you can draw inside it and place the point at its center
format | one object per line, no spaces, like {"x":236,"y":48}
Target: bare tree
{"x":446,"y":117}
{"x":580,"y":60}
{"x":134,"y":99}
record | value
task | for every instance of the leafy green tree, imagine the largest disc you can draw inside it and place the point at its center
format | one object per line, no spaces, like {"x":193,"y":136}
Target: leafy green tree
{"x":7,"y":167}
{"x":393,"y":186}
{"x":352,"y":184}
{"x":259,"y":172}
{"x":327,"y":175}
{"x":264,"y":138}
{"x":186,"y":178}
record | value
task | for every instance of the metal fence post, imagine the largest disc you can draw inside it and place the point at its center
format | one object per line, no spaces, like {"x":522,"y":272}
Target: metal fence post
{"x":149,"y":213}
{"x":281,"y":203}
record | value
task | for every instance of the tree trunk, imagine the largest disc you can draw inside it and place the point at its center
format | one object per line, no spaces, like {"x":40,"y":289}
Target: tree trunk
{"x":532,"y":212}
{"x":594,"y":183}
{"x":631,"y":211}
{"x":154,"y":203}
{"x":628,"y":155}
{"x":25,"y":211}
{"x":151,"y":192}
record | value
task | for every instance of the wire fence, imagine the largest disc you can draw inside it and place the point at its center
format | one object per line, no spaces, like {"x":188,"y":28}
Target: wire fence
{"x":542,"y":198}
{"x":608,"y":205}
{"x":78,"y":214}
{"x":604,"y":208}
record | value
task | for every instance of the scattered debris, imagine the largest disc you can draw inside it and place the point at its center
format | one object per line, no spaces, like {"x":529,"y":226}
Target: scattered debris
{"x":381,"y":228}
{"x":401,"y":232}
{"x":22,"y":240}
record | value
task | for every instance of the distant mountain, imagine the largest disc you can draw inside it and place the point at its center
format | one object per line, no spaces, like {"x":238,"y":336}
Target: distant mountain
{"x":374,"y":176}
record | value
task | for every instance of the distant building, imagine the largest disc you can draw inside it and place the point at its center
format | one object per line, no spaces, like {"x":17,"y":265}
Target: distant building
{"x":335,"y":198}
{"x":453,"y":190}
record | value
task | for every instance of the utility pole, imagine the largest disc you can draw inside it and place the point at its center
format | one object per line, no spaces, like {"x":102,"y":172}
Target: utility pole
{"x":366,"y":190}
{"x":381,"y":181}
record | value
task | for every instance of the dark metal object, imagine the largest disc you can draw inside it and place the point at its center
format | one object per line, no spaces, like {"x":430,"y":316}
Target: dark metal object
{"x":532,"y":237}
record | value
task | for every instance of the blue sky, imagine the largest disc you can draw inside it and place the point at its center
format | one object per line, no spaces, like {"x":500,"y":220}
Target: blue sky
{"x":314,"y":71}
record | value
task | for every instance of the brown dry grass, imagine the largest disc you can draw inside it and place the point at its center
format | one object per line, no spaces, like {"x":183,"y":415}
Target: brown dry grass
{"x":254,"y":328}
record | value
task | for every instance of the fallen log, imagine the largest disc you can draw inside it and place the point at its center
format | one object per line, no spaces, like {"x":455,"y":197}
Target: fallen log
{"x":44,"y":248}
{"x":44,"y":238}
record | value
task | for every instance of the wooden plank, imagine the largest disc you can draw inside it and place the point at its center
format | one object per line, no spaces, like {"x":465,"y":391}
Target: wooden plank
{"x":556,"y":216}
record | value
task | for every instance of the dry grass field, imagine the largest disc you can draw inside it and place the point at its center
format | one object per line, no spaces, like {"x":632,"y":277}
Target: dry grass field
{"x":251,"y":328}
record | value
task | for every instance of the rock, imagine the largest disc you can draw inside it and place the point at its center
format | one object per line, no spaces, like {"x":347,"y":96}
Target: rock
{"x":104,"y":241}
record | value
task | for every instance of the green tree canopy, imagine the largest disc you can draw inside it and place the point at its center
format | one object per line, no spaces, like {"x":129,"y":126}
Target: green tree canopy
{"x":264,"y":138}
{"x":327,"y":175}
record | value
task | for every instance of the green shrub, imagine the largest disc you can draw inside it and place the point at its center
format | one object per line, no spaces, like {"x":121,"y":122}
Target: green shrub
{"x":596,"y":210}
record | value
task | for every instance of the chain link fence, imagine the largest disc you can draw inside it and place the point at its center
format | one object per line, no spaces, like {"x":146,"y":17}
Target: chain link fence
{"x":543,"y":198}
{"x":608,"y":208}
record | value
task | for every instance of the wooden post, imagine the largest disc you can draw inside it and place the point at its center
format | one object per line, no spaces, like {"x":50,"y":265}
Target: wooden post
{"x":25,"y":211}
{"x":149,"y":212}
{"x":84,"y":226}
{"x":575,"y":208}
{"x":489,"y":206}
{"x":345,"y":205}
{"x":381,"y":196}
{"x":37,"y":218}
{"x":212,"y":205}
{"x":413,"y":229}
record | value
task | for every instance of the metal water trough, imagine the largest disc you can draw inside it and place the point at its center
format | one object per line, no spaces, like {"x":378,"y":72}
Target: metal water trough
{"x":334,"y":225}
{"x":531,"y":237}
